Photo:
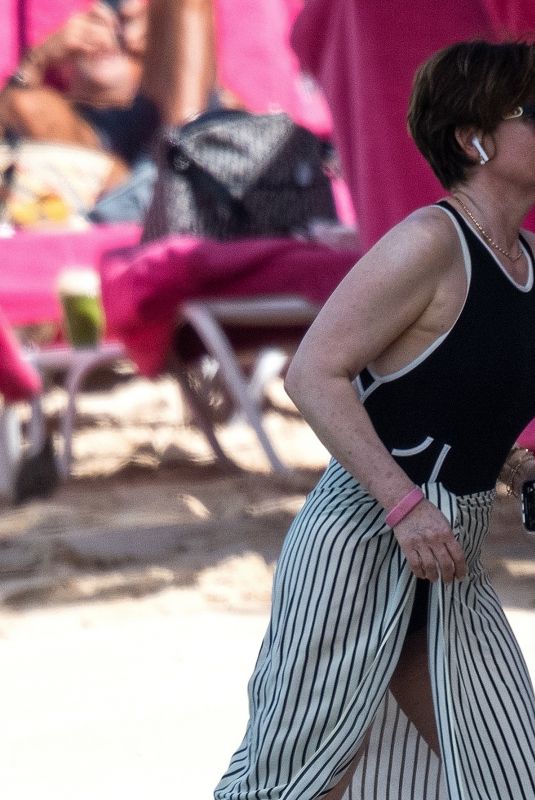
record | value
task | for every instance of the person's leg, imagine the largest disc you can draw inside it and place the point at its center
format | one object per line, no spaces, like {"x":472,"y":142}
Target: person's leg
{"x":411,"y":687}
{"x":410,"y":684}
{"x":179,"y":69}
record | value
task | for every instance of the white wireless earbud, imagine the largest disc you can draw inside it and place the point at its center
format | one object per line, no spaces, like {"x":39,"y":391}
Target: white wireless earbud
{"x":483,"y":157}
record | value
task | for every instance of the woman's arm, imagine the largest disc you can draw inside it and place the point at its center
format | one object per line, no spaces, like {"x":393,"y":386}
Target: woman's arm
{"x":388,"y":299}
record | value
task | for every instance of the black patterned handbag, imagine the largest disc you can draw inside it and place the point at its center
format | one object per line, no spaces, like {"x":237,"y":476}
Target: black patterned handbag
{"x":231,"y":174}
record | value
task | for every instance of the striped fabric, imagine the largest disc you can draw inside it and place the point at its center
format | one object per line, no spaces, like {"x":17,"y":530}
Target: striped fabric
{"x":397,"y":762}
{"x":342,"y":601}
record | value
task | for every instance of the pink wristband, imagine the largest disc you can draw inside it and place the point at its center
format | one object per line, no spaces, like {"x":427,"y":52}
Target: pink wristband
{"x":404,"y":507}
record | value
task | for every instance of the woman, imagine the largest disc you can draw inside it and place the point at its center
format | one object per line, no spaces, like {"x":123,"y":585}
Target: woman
{"x":388,"y":661}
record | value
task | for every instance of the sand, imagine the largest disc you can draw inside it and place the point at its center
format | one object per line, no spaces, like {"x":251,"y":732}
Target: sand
{"x":135,"y":598}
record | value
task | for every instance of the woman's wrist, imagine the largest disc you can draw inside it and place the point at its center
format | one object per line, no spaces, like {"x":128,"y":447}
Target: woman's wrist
{"x":404,"y":506}
{"x":31,"y":70}
{"x":512,"y":471}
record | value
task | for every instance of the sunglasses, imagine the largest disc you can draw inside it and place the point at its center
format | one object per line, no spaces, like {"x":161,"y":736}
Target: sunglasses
{"x":527,"y":112}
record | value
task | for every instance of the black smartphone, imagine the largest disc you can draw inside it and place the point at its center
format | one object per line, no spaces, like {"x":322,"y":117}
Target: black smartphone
{"x":528,"y":505}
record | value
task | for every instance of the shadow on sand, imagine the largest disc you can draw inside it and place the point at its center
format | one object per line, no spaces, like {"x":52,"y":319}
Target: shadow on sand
{"x":145,"y":528}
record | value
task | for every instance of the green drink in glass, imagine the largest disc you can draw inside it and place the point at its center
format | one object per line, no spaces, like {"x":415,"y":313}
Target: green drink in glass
{"x":83,"y":316}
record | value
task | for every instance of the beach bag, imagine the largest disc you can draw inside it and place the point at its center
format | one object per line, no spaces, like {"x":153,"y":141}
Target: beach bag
{"x":231,"y":174}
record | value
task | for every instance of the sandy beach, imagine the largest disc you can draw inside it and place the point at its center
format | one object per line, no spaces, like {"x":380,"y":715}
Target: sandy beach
{"x":134,"y":599}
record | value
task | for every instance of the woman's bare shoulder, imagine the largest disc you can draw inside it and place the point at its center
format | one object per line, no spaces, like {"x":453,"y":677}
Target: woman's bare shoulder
{"x":430,"y":224}
{"x":425,"y":240}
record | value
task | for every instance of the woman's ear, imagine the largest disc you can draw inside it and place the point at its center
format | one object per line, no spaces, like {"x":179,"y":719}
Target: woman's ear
{"x":471,"y":142}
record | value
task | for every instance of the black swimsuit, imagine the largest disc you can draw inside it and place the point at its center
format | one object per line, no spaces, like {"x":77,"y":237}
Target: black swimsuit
{"x":454,"y":433}
{"x":453,"y":414}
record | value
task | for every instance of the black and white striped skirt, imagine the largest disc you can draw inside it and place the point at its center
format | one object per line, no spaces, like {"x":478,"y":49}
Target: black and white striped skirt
{"x":342,"y":601}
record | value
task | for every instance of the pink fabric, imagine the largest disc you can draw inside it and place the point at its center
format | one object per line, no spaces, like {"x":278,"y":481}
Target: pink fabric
{"x":18,"y":380}
{"x":364,"y":55}
{"x":31,"y":263}
{"x":28,"y":22}
{"x":45,"y":16}
{"x":343,"y":202}
{"x":256,"y":62}
{"x":143,"y":288}
{"x":9,"y":44}
{"x":527,"y":437}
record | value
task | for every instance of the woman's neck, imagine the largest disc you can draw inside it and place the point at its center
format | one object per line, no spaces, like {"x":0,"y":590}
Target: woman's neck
{"x":499,"y":212}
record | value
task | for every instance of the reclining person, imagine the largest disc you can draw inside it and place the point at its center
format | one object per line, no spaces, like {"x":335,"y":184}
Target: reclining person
{"x":115,"y":77}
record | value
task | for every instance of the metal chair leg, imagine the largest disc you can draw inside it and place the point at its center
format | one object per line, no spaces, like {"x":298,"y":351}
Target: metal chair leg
{"x":77,"y":364}
{"x":215,"y":340}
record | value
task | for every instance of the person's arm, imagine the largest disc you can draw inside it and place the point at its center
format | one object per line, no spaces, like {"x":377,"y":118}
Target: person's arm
{"x":179,"y":71}
{"x":388,"y":292}
{"x":88,"y":32}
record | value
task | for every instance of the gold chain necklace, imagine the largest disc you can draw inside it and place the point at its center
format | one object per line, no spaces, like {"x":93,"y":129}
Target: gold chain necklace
{"x":486,"y":236}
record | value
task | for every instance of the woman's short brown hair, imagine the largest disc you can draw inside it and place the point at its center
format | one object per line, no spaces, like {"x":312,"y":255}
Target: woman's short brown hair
{"x":470,"y":83}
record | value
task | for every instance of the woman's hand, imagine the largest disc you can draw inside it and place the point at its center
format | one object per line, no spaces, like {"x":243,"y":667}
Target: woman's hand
{"x":428,"y":544}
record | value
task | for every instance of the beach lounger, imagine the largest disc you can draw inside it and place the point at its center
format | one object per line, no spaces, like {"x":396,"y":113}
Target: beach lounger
{"x":77,"y":365}
{"x":249,"y":340}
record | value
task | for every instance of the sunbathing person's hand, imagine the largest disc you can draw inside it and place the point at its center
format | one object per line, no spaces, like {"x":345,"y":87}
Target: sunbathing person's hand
{"x":89,"y":32}
{"x":133,"y":18}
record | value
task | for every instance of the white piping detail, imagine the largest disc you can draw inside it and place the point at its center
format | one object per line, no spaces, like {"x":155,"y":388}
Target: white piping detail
{"x":529,"y":255}
{"x":367,"y":392}
{"x":359,"y":387}
{"x":433,"y":346}
{"x":412,"y":451}
{"x":438,"y":463}
{"x":521,"y":288}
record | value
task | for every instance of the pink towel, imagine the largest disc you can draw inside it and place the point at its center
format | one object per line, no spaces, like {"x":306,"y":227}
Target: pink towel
{"x":33,"y":260}
{"x":18,"y":380}
{"x":142,"y":288}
